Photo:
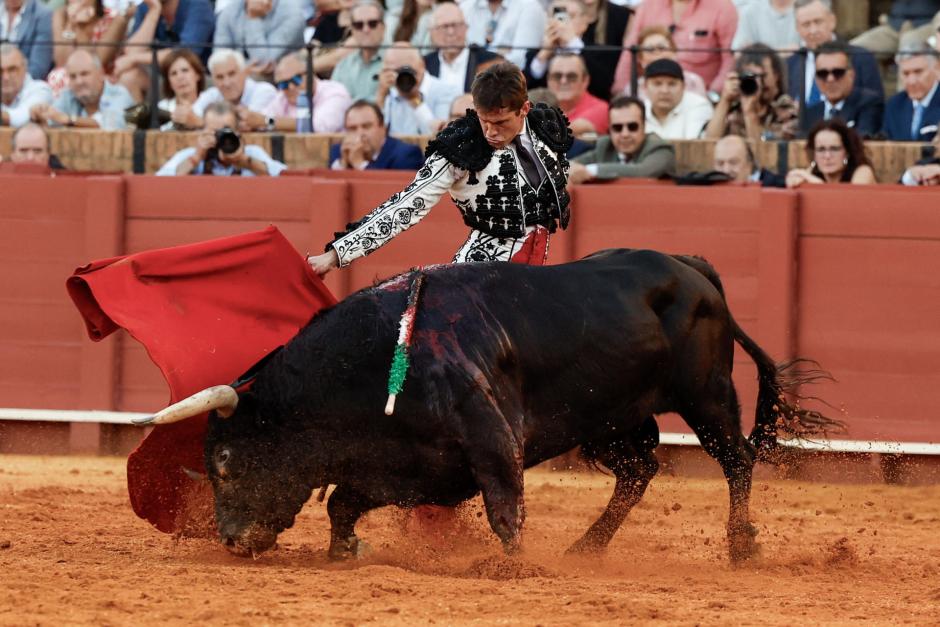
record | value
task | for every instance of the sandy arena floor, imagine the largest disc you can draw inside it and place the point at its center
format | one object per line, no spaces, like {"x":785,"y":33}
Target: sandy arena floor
{"x":72,"y":552}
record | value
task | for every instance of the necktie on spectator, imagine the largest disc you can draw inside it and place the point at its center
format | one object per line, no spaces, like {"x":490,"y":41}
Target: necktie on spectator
{"x":528,"y":163}
{"x":814,"y":95}
{"x":916,"y":122}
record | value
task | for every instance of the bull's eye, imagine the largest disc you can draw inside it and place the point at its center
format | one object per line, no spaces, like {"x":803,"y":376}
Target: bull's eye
{"x":224,"y":456}
{"x":221,"y":460}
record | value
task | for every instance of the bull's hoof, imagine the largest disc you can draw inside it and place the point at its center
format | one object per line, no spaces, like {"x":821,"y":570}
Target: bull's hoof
{"x":742,"y":545}
{"x":586,"y":546}
{"x":349,"y":548}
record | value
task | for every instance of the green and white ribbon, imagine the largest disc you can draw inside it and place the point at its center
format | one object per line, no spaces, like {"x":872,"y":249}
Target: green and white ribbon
{"x":401,"y":361}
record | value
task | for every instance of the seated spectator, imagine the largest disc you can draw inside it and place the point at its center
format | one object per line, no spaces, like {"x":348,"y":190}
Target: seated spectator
{"x":734,"y":157}
{"x":412,"y":101}
{"x":28,"y":24}
{"x":329,"y":32}
{"x":175,"y":23}
{"x":861,"y":109}
{"x":565,"y":23}
{"x":913,"y":114}
{"x":703,"y":25}
{"x":606,"y":26}
{"x":656,"y":43}
{"x":367,"y":146}
{"x":359,"y":71}
{"x":672,"y":112}
{"x":90,"y":100}
{"x":413,"y":25}
{"x":453,"y":61}
{"x":31,"y":145}
{"x":184,"y":79}
{"x":927,"y":170}
{"x":265,"y":29}
{"x":568,"y":80}
{"x":628,"y":151}
{"x":836,"y":155}
{"x":458,"y":108}
{"x":768,"y":22}
{"x":544,"y":95}
{"x":752,"y":102}
{"x":220,"y":151}
{"x":816,"y":24}
{"x":81,"y":23}
{"x":18,"y":91}
{"x":906,"y":26}
{"x":506,"y":27}
{"x":290,"y":110}
{"x":232,"y":84}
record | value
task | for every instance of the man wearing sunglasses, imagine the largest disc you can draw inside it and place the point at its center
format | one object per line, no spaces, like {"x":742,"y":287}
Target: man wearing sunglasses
{"x":359,"y":71}
{"x":503,"y":164}
{"x":860,"y":108}
{"x":568,"y":79}
{"x":628,"y":152}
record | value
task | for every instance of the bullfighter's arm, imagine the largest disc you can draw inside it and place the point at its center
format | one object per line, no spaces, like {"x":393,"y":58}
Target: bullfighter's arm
{"x":399,"y":213}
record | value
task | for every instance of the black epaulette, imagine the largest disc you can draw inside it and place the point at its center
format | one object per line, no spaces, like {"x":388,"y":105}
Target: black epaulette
{"x":462,"y":143}
{"x":551,"y":126}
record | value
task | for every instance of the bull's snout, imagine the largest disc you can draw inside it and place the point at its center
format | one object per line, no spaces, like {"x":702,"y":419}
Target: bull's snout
{"x":250,"y":542}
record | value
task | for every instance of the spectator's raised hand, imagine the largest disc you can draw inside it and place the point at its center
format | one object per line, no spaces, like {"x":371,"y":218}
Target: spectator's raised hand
{"x":204,"y":143}
{"x":249,"y":120}
{"x":731,"y":90}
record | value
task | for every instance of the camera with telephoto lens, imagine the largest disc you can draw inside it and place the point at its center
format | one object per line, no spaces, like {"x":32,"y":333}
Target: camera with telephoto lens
{"x":227,"y":140}
{"x":406,"y":80}
{"x":749,"y":83}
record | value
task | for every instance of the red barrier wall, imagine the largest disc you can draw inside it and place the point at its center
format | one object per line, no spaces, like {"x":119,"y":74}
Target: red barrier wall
{"x":843,"y":275}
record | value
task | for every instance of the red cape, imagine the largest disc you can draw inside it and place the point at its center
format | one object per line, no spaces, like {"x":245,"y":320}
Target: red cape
{"x":205,"y":313}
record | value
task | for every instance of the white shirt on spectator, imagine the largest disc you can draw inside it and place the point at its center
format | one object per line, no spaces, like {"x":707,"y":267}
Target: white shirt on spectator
{"x":517,"y":25}
{"x":686,"y":121}
{"x":32,"y":93}
{"x":255,"y":152}
{"x":8,"y":30}
{"x":256,"y":96}
{"x":759,"y":22}
{"x":454,"y":73}
{"x":437,"y":96}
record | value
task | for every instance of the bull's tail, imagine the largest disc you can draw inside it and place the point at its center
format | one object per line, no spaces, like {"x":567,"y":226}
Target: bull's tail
{"x":777,"y":385}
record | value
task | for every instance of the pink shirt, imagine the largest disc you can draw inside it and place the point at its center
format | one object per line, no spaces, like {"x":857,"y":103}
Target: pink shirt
{"x":705,"y":24}
{"x":329,"y":106}
{"x":592,"y":109}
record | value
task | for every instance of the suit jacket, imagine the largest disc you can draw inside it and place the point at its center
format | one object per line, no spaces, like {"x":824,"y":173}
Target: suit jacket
{"x":395,"y":155}
{"x":656,"y":158}
{"x":899,"y":113}
{"x":863,"y":61}
{"x":35,"y":27}
{"x":771,"y":179}
{"x":862,"y":110}
{"x":432,"y":63}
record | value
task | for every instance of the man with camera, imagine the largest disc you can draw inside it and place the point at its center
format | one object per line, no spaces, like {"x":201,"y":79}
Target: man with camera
{"x":220,"y":151}
{"x":413,"y":101}
{"x":752,"y":104}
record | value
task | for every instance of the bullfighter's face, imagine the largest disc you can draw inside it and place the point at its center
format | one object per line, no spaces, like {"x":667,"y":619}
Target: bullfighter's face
{"x":258,"y":490}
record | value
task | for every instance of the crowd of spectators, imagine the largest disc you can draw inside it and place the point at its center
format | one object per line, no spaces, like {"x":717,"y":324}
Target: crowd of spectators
{"x":631,"y":75}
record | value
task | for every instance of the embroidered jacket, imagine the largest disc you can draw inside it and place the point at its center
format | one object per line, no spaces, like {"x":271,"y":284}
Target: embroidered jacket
{"x":486,"y":185}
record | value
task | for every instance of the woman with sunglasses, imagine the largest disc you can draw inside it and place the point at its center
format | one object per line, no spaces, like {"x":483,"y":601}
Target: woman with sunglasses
{"x":184,"y":78}
{"x":836,"y":154}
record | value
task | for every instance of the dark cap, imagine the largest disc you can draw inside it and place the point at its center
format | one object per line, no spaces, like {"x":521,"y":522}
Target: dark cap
{"x":664,"y":67}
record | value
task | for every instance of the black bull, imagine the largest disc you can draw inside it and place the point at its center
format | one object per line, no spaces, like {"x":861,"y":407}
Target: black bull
{"x":511,"y":365}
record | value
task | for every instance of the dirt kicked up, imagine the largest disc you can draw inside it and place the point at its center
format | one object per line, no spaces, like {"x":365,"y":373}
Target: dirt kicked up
{"x":72,"y":552}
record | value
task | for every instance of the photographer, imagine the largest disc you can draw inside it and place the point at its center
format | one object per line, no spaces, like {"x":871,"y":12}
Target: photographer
{"x":219,"y":150}
{"x":413,"y":101}
{"x":754,"y":103}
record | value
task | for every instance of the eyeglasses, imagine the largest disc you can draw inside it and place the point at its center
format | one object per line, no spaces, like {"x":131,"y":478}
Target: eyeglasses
{"x":633,"y":127}
{"x":451,"y":26}
{"x":569,"y":77}
{"x":830,"y":150}
{"x":837,"y":73}
{"x":361,"y":25}
{"x":293,"y":80}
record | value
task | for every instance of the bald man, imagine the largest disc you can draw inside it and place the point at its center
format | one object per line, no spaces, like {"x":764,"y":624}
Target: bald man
{"x":453,"y":61}
{"x":413,"y":101}
{"x":31,"y":145}
{"x":735,"y":158}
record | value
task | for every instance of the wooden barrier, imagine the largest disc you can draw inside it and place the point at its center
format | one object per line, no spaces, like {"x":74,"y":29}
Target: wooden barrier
{"x":115,"y":151}
{"x":841,"y":274}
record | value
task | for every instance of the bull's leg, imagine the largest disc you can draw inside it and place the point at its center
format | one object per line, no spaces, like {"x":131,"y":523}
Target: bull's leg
{"x":344,"y":508}
{"x":495,"y":456}
{"x":634,"y":465}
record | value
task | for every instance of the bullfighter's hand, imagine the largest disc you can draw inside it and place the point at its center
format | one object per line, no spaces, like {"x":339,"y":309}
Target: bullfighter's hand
{"x":322,"y":264}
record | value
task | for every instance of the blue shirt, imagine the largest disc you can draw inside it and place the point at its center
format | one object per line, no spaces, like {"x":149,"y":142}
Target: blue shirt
{"x":192,"y":25}
{"x":110,"y":115}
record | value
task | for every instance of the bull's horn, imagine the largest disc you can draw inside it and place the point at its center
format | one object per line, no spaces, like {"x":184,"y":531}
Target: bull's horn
{"x":222,"y":398}
{"x":198,"y":477}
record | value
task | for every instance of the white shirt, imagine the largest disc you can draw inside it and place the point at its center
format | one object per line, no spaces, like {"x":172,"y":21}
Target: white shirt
{"x":255,"y":152}
{"x":32,"y":93}
{"x":828,"y":107}
{"x":437,"y":96}
{"x":686,"y":121}
{"x":537,"y":67}
{"x":8,"y":30}
{"x":517,"y":25}
{"x":454,"y":73}
{"x":256,"y":96}
{"x":759,"y":22}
